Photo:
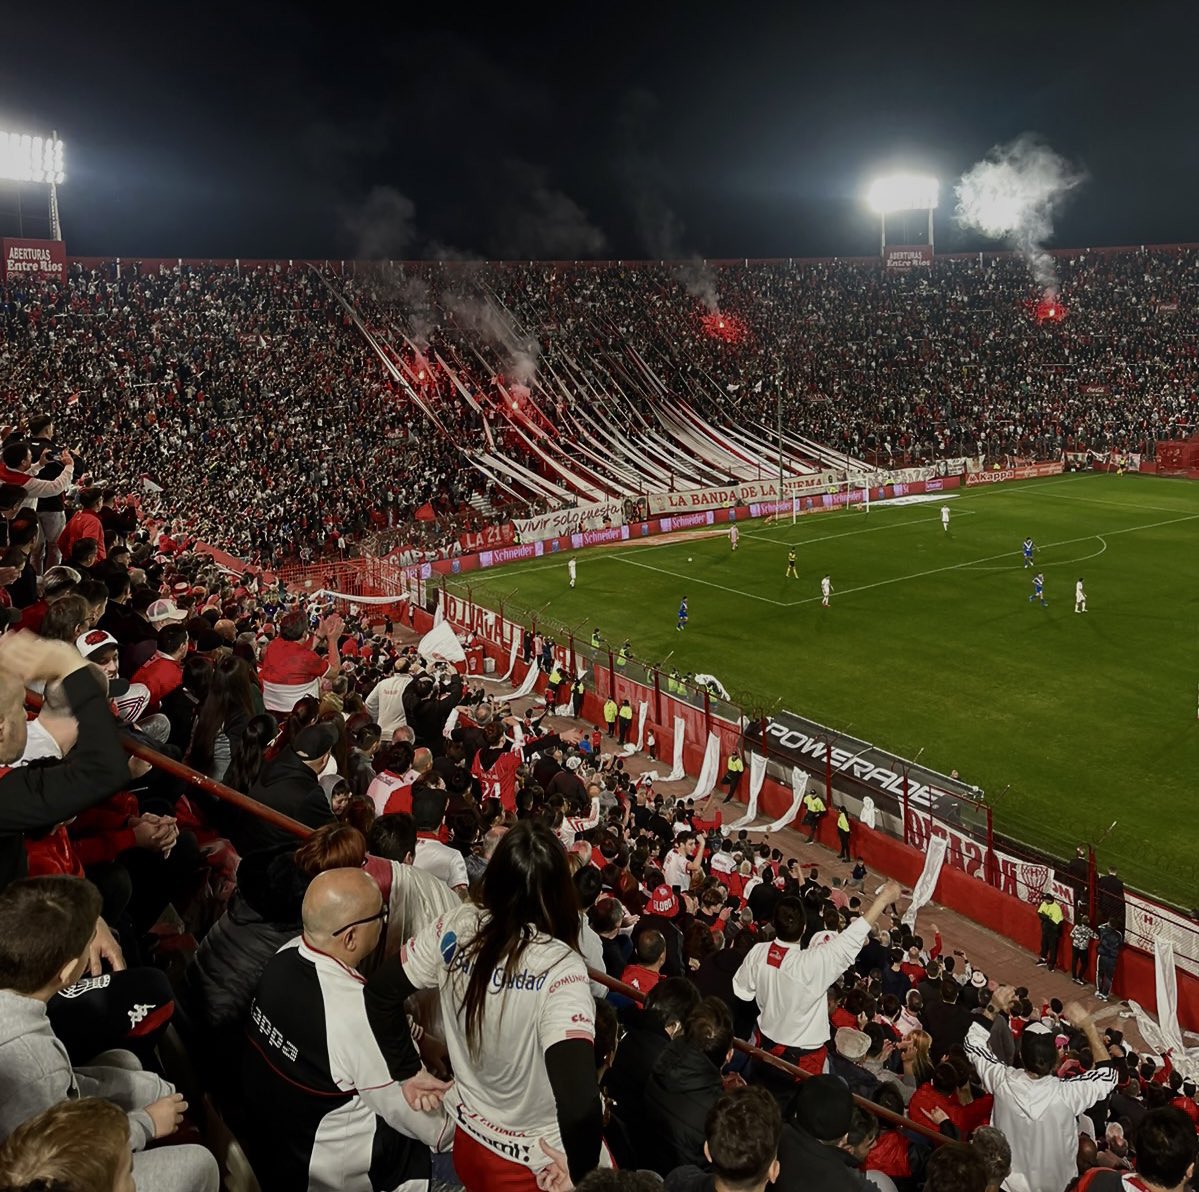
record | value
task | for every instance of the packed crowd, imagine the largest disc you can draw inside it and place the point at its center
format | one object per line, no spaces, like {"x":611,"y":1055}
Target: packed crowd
{"x":241,"y":404}
{"x":246,"y":408}
{"x":389,"y":974}
{"x":900,"y":366}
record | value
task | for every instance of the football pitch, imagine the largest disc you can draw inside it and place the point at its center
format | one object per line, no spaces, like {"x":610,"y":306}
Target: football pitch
{"x":930,"y":641}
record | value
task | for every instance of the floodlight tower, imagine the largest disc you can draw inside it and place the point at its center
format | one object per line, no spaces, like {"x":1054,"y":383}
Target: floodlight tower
{"x":902,"y":192}
{"x":25,"y":158}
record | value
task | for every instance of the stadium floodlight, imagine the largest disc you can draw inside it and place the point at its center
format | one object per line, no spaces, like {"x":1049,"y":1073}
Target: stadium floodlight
{"x":903,"y":192}
{"x":25,"y":158}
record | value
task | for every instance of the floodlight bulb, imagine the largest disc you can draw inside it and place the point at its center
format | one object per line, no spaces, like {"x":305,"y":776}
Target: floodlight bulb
{"x":903,"y":192}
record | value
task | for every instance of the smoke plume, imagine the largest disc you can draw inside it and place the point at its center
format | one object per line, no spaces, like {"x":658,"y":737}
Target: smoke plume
{"x":381,"y":226}
{"x":1013,"y":194}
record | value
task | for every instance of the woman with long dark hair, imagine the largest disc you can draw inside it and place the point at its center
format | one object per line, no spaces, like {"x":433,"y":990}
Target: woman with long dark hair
{"x":182,"y":705}
{"x":518,"y":1012}
{"x":222,"y":718}
{"x":246,"y":763}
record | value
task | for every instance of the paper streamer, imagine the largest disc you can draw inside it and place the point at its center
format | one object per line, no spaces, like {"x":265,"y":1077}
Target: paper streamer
{"x":511,"y":658}
{"x":680,"y":730}
{"x":757,"y":776}
{"x":441,"y":642}
{"x":1164,"y":1034}
{"x":799,"y":784}
{"x":529,"y":682}
{"x":642,"y":714}
{"x":451,"y":723}
{"x":439,"y":611}
{"x":354,"y":598}
{"x":868,"y":815}
{"x":710,"y":769}
{"x":923,"y":891}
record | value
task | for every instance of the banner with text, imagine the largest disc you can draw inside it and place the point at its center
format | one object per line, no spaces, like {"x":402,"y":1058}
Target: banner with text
{"x":1028,"y":472}
{"x":1024,"y":879}
{"x":871,"y":771}
{"x":907,"y":256}
{"x":45,"y":258}
{"x":1145,"y":921}
{"x":487,"y":537}
{"x":597,"y":516}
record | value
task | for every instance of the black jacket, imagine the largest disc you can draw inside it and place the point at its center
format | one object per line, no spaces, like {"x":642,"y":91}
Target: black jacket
{"x":263,"y":914}
{"x":683,"y":1086}
{"x":34,"y":798}
{"x":806,"y":1165}
{"x":289,"y":786}
{"x":690,"y":1179}
{"x":643,"y":1043}
{"x":947,"y":1024}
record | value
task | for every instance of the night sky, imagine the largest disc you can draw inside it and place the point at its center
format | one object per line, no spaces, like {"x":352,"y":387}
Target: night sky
{"x":598,"y":130}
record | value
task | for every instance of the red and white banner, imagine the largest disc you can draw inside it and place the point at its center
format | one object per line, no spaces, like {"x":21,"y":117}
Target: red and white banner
{"x":596,"y":516}
{"x":742,"y":494}
{"x":486,"y":538}
{"x":1146,"y":921}
{"x":907,"y":256}
{"x":45,"y":258}
{"x":1029,"y":472}
{"x":1023,"y":879}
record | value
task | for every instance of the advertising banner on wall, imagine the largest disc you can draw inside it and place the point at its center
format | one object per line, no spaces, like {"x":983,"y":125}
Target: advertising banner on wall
{"x":1003,"y":475}
{"x":907,"y":256}
{"x":24,"y":258}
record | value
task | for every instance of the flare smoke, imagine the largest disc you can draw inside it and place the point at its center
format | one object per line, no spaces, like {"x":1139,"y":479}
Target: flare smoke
{"x":1013,"y":194}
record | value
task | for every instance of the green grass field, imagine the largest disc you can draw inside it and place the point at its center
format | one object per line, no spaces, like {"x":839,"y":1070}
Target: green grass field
{"x":931,"y":642}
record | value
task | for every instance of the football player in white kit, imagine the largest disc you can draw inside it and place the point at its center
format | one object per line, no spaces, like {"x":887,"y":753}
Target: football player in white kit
{"x":1080,"y":597}
{"x":733,"y":535}
{"x":826,"y":590}
{"x":570,"y":566}
{"x":945,"y":518}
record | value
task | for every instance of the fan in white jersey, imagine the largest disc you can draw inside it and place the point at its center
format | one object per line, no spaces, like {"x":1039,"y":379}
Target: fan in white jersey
{"x":518,"y":1014}
{"x":1080,"y":597}
{"x":570,"y":567}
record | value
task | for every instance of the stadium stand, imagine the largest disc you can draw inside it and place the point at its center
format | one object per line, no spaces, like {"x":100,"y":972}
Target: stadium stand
{"x":259,"y":392}
{"x":267,"y":907}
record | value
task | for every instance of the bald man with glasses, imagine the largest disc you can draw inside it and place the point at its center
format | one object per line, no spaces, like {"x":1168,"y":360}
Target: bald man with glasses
{"x":328,"y":1114}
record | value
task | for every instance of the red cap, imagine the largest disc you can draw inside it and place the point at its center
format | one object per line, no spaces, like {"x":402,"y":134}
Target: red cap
{"x":664,"y":902}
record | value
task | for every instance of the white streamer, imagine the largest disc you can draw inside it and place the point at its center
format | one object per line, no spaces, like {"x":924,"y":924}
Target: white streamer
{"x":709,"y":770}
{"x":799,"y":784}
{"x":680,"y":730}
{"x":757,"y":776}
{"x":929,"y":876}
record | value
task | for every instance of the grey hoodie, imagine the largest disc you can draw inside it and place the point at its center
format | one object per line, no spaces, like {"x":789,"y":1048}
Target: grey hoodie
{"x":36,"y":1073}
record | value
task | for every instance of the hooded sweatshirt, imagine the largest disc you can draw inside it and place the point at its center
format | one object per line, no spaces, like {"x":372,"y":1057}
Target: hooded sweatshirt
{"x":1038,"y":1115}
{"x":36,"y":1073}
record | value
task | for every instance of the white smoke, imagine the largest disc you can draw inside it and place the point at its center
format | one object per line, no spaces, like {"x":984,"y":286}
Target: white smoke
{"x":700,"y":282}
{"x":1013,"y":194}
{"x":521,"y":354}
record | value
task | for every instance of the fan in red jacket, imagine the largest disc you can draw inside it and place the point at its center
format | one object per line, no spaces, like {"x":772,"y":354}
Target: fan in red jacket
{"x":85,"y":523}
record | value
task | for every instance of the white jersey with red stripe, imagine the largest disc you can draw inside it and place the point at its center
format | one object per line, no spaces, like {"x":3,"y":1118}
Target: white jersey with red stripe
{"x":502,"y":1095}
{"x":790,"y":984}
